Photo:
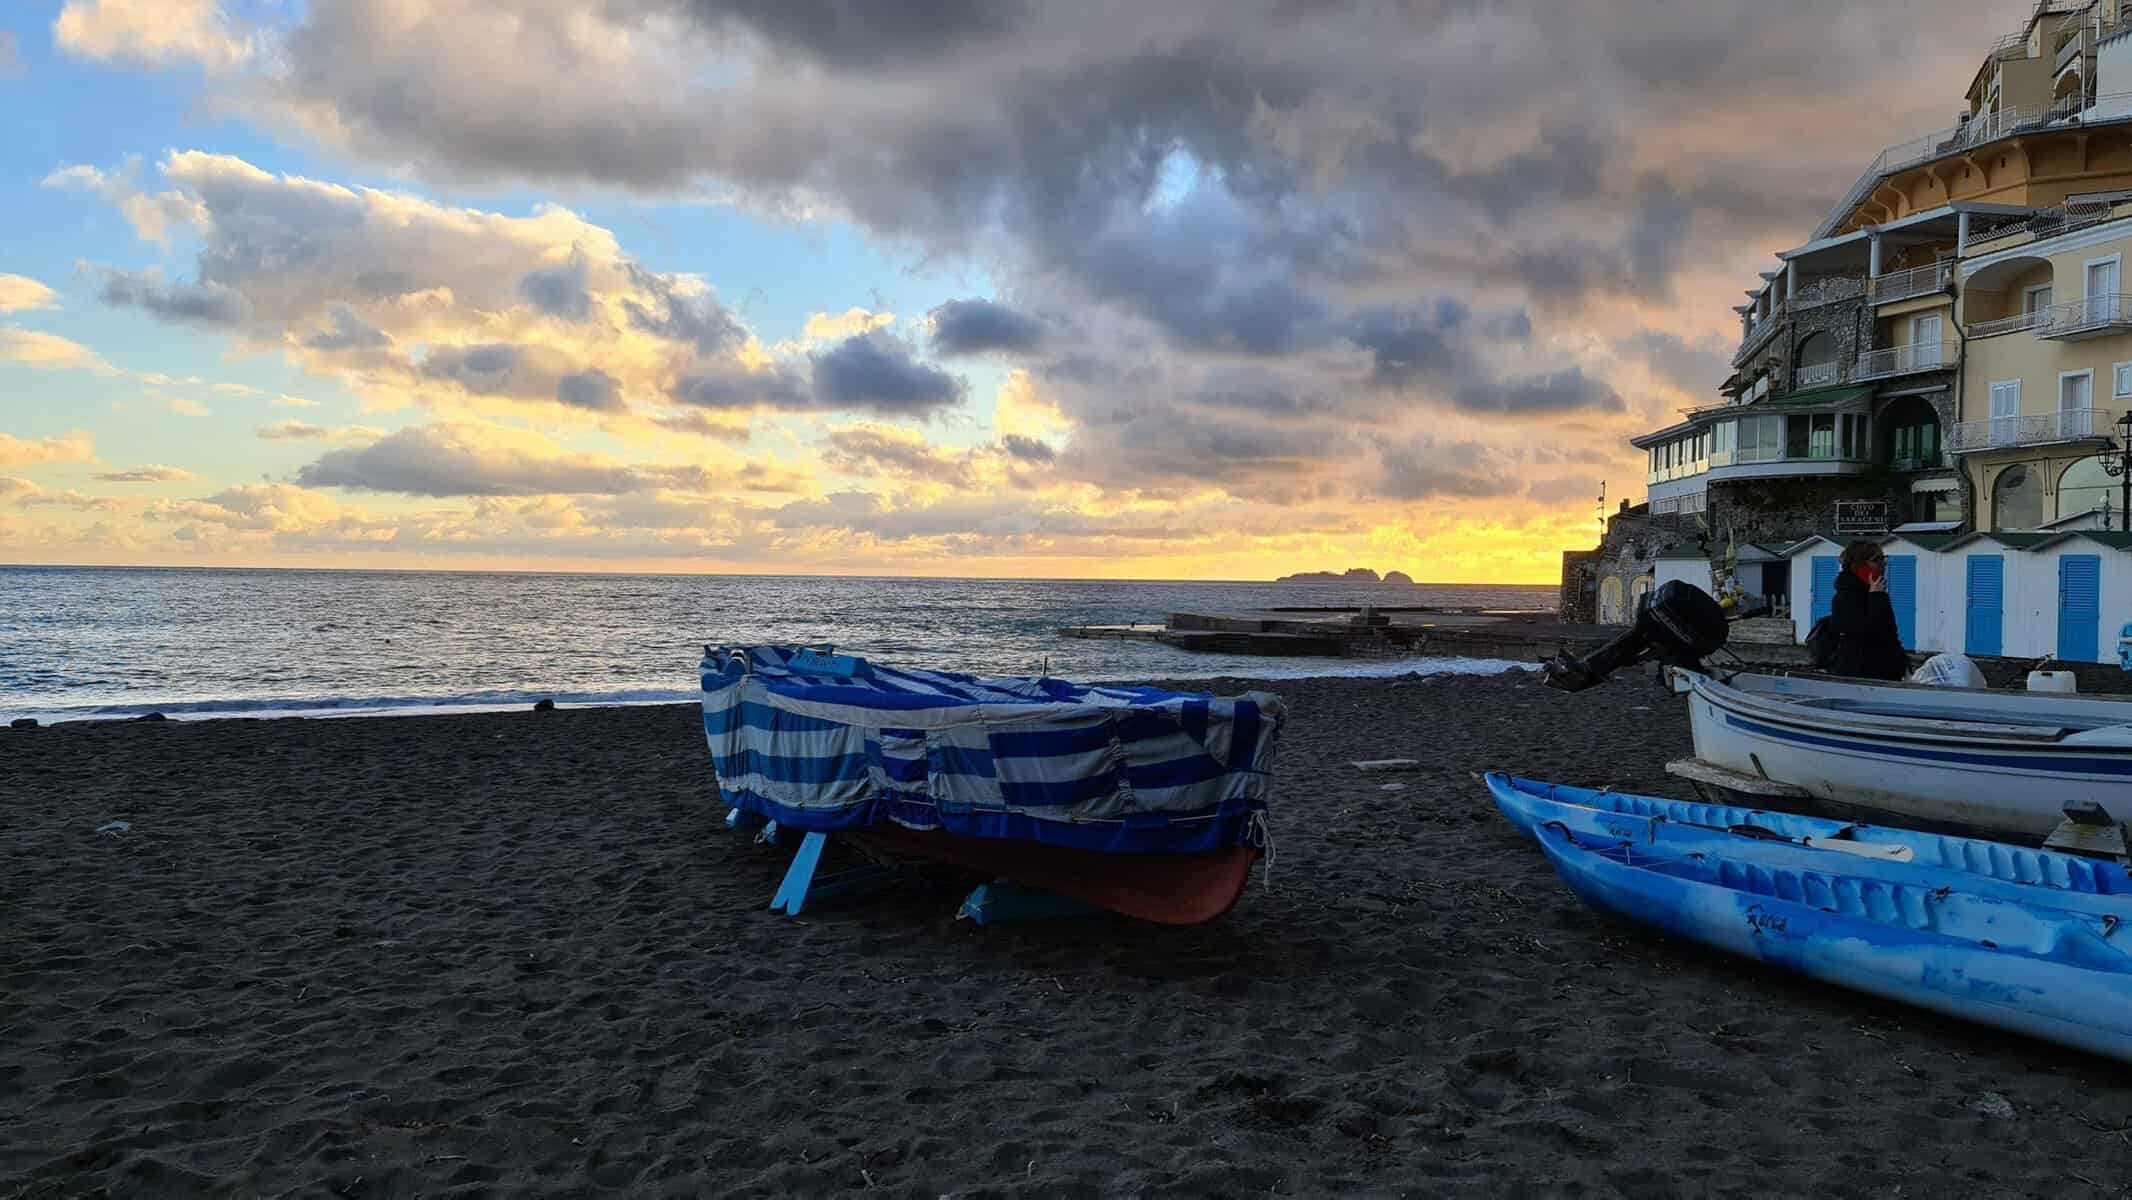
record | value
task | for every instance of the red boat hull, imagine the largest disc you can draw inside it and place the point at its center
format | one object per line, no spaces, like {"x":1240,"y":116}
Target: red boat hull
{"x":1168,"y":889}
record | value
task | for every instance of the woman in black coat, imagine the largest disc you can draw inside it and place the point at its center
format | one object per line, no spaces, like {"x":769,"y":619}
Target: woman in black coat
{"x":1870,"y":647}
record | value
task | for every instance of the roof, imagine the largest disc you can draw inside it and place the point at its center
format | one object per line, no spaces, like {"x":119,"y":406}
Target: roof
{"x":2012,"y":541}
{"x":2115,"y":539}
{"x":1935,"y":542}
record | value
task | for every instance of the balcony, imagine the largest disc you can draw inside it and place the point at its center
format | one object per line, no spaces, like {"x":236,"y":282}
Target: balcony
{"x":2069,"y":54}
{"x":2029,"y":429}
{"x":1814,"y":375}
{"x":2018,"y":323}
{"x":2096,"y":316}
{"x":1913,"y":359}
{"x":1758,"y":333}
{"x":1908,"y":285}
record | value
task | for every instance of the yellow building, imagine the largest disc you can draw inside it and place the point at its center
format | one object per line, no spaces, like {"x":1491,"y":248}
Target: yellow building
{"x":2048,"y":372}
{"x":1954,"y":343}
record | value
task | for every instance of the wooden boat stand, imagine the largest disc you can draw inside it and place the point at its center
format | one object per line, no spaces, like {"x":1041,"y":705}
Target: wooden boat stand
{"x":990,"y":903}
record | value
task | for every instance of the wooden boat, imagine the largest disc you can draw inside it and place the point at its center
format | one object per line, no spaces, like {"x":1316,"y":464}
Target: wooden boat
{"x":2029,"y":968}
{"x":1788,"y":839}
{"x":1133,"y":800}
{"x":1998,"y":762}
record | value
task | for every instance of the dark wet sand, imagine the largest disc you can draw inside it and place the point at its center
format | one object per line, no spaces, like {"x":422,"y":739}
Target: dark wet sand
{"x":517,"y":952}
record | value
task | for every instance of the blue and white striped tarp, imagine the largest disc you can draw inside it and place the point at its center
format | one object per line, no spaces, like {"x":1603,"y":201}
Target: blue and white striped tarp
{"x":826,"y":743}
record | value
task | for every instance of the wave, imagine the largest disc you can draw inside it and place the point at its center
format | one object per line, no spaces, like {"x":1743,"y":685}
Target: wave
{"x":360,"y":706}
{"x":1271,"y":670}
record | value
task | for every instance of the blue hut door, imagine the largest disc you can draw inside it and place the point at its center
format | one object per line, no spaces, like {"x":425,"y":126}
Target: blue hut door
{"x":1824,"y":583}
{"x":1987,"y":604}
{"x":2080,"y":608}
{"x":1902,"y":594}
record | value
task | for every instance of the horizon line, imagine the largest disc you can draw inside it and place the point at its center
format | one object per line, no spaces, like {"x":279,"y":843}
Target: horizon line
{"x":14,"y":566}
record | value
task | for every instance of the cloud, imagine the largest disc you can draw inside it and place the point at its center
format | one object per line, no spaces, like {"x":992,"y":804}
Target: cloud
{"x":20,"y":293}
{"x":594,"y":389}
{"x":821,"y":327}
{"x":299,"y":431}
{"x":1423,"y":468}
{"x":875,"y":373}
{"x":738,"y":387}
{"x":464,"y":461}
{"x":186,"y":408}
{"x":204,"y":304}
{"x":983,"y":326}
{"x":10,"y":56}
{"x":13,"y":486}
{"x":72,"y":446}
{"x":69,"y":498}
{"x":560,"y":291}
{"x":1563,"y":391}
{"x":49,"y":352}
{"x":149,"y":474}
{"x":1027,"y":449}
{"x":870,"y":450}
{"x":151,"y":32}
{"x":349,"y":332}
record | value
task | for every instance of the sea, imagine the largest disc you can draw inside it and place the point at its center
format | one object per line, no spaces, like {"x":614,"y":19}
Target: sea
{"x":88,"y":643}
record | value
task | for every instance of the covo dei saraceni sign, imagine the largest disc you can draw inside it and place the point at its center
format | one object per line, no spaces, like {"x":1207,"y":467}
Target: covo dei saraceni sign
{"x":1861,"y":516}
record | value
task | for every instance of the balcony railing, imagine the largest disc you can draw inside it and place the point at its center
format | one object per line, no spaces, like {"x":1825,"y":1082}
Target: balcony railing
{"x":2090,"y":317}
{"x":1906,"y":360}
{"x":2018,"y":323}
{"x":1757,"y":332}
{"x":1984,"y":127}
{"x":1906,"y":285}
{"x":1814,"y":375}
{"x":2029,"y":429}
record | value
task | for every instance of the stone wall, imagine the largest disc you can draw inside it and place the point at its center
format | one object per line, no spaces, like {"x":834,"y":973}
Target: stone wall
{"x":1777,"y":511}
{"x":1578,"y":603}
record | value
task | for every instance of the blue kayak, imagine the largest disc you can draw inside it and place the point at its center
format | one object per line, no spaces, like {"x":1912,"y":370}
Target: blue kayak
{"x":1997,"y":869}
{"x":2029,"y":968}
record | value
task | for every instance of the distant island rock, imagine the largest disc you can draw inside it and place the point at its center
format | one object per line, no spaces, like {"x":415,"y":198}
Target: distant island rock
{"x":1398,"y":577}
{"x":1352,"y":575}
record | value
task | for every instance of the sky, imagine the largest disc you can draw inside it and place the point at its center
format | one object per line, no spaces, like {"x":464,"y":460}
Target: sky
{"x":1206,"y":289}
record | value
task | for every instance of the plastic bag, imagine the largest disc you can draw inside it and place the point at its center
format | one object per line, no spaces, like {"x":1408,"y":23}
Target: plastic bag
{"x":1950,"y":670}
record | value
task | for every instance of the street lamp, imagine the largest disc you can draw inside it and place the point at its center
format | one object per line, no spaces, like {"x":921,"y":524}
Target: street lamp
{"x":2119,"y":465}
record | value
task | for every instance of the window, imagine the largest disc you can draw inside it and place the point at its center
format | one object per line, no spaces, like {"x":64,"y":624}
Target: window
{"x":2087,"y":487}
{"x":2006,"y":413}
{"x":1810,"y":435}
{"x":1761,"y":439}
{"x":2121,"y":387}
{"x":1724,"y":442}
{"x":2036,"y":299}
{"x":1853,"y":429}
{"x":2076,"y":404}
{"x":2016,"y":499}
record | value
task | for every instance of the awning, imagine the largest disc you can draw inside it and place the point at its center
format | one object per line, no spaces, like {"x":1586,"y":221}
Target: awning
{"x":1817,"y":398}
{"x":1936,"y":485}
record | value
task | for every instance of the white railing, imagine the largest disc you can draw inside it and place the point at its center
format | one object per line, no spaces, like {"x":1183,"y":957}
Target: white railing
{"x":1760,"y":454}
{"x":1814,"y":375}
{"x":1984,"y":127}
{"x":2014,"y":324}
{"x":2083,"y":316}
{"x":1906,"y":360}
{"x":1905,"y":285}
{"x":2029,"y":429}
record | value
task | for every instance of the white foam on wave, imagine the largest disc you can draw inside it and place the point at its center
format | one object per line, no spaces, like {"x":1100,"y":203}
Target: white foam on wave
{"x":1194,"y":668}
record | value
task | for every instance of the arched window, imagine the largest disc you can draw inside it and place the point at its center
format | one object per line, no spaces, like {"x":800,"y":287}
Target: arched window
{"x":1818,"y":348}
{"x":1611,"y":608}
{"x":2086,"y":487}
{"x":2017,"y":499}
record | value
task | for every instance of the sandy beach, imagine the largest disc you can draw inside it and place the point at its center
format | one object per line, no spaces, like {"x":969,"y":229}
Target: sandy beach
{"x":517,"y":952}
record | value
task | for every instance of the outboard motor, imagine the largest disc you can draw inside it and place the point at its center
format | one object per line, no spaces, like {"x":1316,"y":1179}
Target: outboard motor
{"x":1678,"y":625}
